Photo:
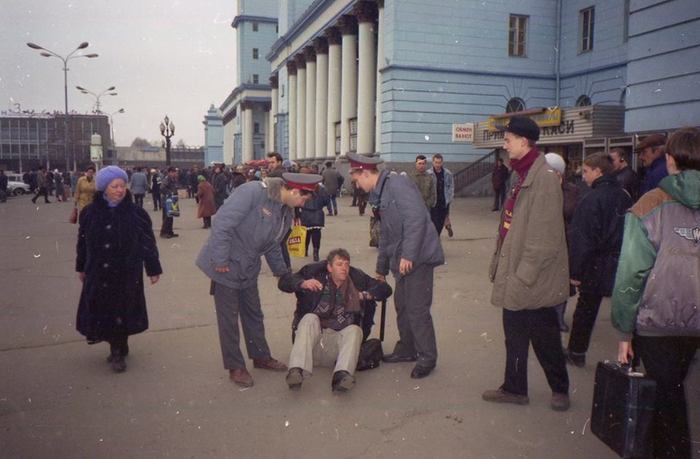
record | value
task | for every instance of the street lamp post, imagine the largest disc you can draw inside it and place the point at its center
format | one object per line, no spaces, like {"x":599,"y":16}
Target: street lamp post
{"x":109,"y":92}
{"x":48,"y":53}
{"x":111,"y":124}
{"x":167,"y":130}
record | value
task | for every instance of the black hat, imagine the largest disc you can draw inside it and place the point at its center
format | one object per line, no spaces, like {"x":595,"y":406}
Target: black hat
{"x":362,"y":162}
{"x":308,"y":182}
{"x":524,"y":127}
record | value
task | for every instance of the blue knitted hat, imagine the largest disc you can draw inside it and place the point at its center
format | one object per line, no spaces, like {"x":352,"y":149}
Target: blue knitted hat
{"x":105,"y":176}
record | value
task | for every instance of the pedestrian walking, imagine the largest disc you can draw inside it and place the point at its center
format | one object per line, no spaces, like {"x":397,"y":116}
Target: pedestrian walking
{"x":168,"y":188}
{"x":206,"y":207}
{"x":42,"y":185}
{"x":332,"y":180}
{"x":311,"y":216}
{"x":156,"y":179}
{"x":115,"y":244}
{"x":138,"y":185}
{"x":424,"y":182}
{"x":85,"y":189}
{"x":3,"y":186}
{"x":445,"y":191}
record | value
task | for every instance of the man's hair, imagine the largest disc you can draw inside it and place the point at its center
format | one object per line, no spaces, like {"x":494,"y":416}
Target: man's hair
{"x":329,"y":164}
{"x":621,"y":153}
{"x":92,"y":168}
{"x":340,"y":253}
{"x":172,"y":169}
{"x":437,"y":156}
{"x":684,"y":147}
{"x":275,"y":155}
{"x":420,"y":158}
{"x":599,"y":160}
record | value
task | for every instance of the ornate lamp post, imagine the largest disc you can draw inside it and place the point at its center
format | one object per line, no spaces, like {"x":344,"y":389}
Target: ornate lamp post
{"x":167,"y":130}
{"x":48,"y":53}
{"x":108,"y":91}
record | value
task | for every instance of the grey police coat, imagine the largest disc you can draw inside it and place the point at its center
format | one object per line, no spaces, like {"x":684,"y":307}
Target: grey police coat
{"x":406,"y":228}
{"x":252,"y":222}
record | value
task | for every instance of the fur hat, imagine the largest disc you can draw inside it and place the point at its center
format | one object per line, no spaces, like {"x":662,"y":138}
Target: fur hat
{"x":105,"y":176}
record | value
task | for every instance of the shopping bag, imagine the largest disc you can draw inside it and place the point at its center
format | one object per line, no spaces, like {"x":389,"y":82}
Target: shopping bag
{"x":73,"y":215}
{"x":623,"y":409}
{"x":296,"y":242}
{"x":172,"y":208}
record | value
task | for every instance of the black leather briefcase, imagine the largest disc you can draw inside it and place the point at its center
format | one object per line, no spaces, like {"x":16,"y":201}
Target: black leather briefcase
{"x":623,"y":409}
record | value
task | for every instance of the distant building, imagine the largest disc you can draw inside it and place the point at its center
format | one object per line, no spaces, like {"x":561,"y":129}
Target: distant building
{"x":29,"y":140}
{"x":213,"y":136}
{"x":154,"y":157}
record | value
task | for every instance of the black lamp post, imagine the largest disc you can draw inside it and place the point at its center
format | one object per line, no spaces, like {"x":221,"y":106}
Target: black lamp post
{"x":48,"y":53}
{"x":167,"y":130}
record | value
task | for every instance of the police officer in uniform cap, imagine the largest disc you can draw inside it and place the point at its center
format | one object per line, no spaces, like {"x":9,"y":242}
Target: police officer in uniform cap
{"x":252,"y":222}
{"x":409,"y":247}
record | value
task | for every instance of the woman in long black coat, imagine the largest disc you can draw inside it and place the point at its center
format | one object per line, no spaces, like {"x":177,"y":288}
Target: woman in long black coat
{"x":115,"y":242}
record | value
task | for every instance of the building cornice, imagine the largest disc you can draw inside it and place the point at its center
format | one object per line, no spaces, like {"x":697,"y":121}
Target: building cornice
{"x":239,"y":89}
{"x":247,"y":18}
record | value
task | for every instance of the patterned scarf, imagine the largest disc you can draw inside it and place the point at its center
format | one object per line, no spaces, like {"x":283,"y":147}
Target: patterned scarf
{"x":522,"y":167}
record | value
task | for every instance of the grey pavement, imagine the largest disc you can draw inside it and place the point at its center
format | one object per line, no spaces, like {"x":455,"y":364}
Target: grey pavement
{"x":59,"y":399}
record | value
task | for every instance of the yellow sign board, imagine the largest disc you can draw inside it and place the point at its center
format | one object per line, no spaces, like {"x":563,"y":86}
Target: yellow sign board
{"x":547,"y":118}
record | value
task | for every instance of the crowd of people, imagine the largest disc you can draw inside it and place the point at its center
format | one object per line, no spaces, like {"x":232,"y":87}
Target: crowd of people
{"x":611,"y":234}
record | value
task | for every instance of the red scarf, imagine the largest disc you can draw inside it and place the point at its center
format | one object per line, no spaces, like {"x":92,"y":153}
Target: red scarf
{"x":521,"y":167}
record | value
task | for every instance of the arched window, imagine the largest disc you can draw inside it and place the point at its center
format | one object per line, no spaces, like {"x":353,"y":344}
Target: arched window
{"x":516,"y":104}
{"x":583,"y":101}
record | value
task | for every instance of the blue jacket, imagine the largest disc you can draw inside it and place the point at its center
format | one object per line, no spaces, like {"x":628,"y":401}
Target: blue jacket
{"x":252,"y":222}
{"x":449,"y":184}
{"x":138,"y":183}
{"x":653,"y":176}
{"x":406,"y":228}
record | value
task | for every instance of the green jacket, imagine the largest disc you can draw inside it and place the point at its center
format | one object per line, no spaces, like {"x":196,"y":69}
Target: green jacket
{"x":427,"y":185}
{"x":657,"y":286}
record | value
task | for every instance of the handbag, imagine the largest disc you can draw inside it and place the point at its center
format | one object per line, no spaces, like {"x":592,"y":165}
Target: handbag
{"x":623,"y":409}
{"x":296,"y":242}
{"x":370,"y":354}
{"x":73,"y":215}
{"x":172,"y":208}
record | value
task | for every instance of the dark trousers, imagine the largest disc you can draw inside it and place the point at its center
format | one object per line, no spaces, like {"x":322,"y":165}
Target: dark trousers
{"x":138,"y":199}
{"x":167,"y":226}
{"x":362,"y":203}
{"x":313,"y":235}
{"x":541,"y":328}
{"x":207,"y":222}
{"x":285,"y":249}
{"x":119,"y":345}
{"x":584,"y":320}
{"x":42,"y":191}
{"x":438,"y":216}
{"x":499,"y":197}
{"x":666,"y":360}
{"x":333,"y":205}
{"x":413,"y":297}
{"x":156,"y":200}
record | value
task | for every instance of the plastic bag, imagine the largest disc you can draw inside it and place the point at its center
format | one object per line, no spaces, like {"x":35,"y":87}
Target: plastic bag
{"x":296,"y":242}
{"x":172,"y":208}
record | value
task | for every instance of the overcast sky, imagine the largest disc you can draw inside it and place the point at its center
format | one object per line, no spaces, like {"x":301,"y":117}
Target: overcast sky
{"x":164,"y":57}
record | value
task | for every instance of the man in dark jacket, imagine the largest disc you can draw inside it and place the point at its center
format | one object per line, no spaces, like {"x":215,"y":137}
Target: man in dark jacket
{"x":624,"y":173}
{"x":42,"y":185}
{"x":167,"y":189}
{"x":219,"y":181}
{"x":410,"y":248}
{"x":499,"y":181}
{"x":596,"y":238}
{"x":274,"y":165}
{"x":249,"y":224}
{"x":652,"y":155}
{"x":332,"y":180}
{"x":335,"y":307}
{"x":3,"y":186}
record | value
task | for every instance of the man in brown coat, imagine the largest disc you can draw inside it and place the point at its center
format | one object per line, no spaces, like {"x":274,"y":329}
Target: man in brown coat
{"x":530,"y":270}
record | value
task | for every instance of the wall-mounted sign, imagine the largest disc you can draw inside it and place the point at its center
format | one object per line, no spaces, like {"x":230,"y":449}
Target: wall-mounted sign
{"x":463,"y":132}
{"x":547,"y":118}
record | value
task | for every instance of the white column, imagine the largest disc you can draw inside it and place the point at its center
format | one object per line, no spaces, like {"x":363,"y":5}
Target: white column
{"x":247,"y":109}
{"x":348,"y":98}
{"x":367,"y":84}
{"x":380,"y":63}
{"x":310,"y":104}
{"x":334,"y":82}
{"x":292,"y":110}
{"x":301,"y":109}
{"x":321,"y":98}
{"x":271,"y":125}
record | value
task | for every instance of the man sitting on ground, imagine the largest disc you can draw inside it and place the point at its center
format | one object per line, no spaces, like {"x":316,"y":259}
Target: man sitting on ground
{"x":334,"y":314}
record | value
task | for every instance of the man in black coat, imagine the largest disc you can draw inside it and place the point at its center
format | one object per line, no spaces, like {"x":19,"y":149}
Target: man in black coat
{"x":624,"y":173}
{"x":334,"y":314}
{"x":596,"y":239}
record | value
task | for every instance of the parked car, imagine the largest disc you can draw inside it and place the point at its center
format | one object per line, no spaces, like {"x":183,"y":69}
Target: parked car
{"x":15,"y":188}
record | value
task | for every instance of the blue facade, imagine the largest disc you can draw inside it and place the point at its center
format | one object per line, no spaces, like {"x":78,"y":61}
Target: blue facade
{"x":213,"y":136}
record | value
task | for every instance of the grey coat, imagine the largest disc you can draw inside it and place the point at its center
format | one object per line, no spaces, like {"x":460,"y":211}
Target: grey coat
{"x":406,"y":228}
{"x":251,"y":222}
{"x":138,"y":183}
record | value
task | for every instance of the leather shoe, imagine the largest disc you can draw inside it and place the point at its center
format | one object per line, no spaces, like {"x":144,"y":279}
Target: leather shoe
{"x":501,"y":396}
{"x":560,"y":402}
{"x":342,"y":381}
{"x":396,"y":358}
{"x":419,"y":372}
{"x":241,"y":377}
{"x":118,"y":363}
{"x":294,"y":378}
{"x":577,"y":360}
{"x":269,"y":364}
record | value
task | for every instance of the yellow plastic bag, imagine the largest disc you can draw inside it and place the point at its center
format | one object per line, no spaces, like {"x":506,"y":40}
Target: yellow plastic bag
{"x":296,"y":242}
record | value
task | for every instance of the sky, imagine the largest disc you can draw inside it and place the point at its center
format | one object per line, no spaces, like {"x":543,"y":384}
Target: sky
{"x":164,"y":57}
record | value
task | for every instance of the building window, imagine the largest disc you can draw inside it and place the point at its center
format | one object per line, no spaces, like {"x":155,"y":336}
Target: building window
{"x":353,"y":135}
{"x":255,"y":53}
{"x":583,"y":101}
{"x":337,"y":138}
{"x":255,"y":27}
{"x":517,"y":30}
{"x":282,"y":90}
{"x":256,"y":128}
{"x":256,"y":79}
{"x":586,"y":25}
{"x":516,"y":104}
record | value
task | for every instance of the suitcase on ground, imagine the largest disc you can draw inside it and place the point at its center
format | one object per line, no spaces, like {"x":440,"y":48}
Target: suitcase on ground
{"x":623,"y":409}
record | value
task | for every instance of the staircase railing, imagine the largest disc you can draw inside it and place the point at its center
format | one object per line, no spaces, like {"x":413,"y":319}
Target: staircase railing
{"x":476,"y":170}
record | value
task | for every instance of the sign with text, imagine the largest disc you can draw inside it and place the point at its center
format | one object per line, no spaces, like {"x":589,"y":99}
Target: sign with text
{"x":548,"y":118}
{"x":463,"y":132}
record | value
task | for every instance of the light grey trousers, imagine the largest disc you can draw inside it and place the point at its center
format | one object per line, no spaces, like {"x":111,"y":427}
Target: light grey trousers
{"x":230,"y":303}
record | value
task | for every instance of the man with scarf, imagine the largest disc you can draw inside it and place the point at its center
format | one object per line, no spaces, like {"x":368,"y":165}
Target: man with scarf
{"x":530,"y":270}
{"x":331,"y":317}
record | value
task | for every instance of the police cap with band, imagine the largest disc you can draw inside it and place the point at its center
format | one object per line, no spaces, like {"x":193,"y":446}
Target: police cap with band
{"x":362,"y":162}
{"x":307,"y":182}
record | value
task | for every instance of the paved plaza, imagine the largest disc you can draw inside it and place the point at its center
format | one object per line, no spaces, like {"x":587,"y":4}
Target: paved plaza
{"x":59,"y":398}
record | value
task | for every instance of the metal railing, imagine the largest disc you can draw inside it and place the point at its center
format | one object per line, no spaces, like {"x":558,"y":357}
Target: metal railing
{"x":475,"y":171}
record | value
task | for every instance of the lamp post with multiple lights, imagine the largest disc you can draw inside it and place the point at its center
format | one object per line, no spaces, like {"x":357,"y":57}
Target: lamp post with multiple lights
{"x":48,"y":53}
{"x":109,"y":92}
{"x":111,"y":124}
{"x":167,"y":130}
